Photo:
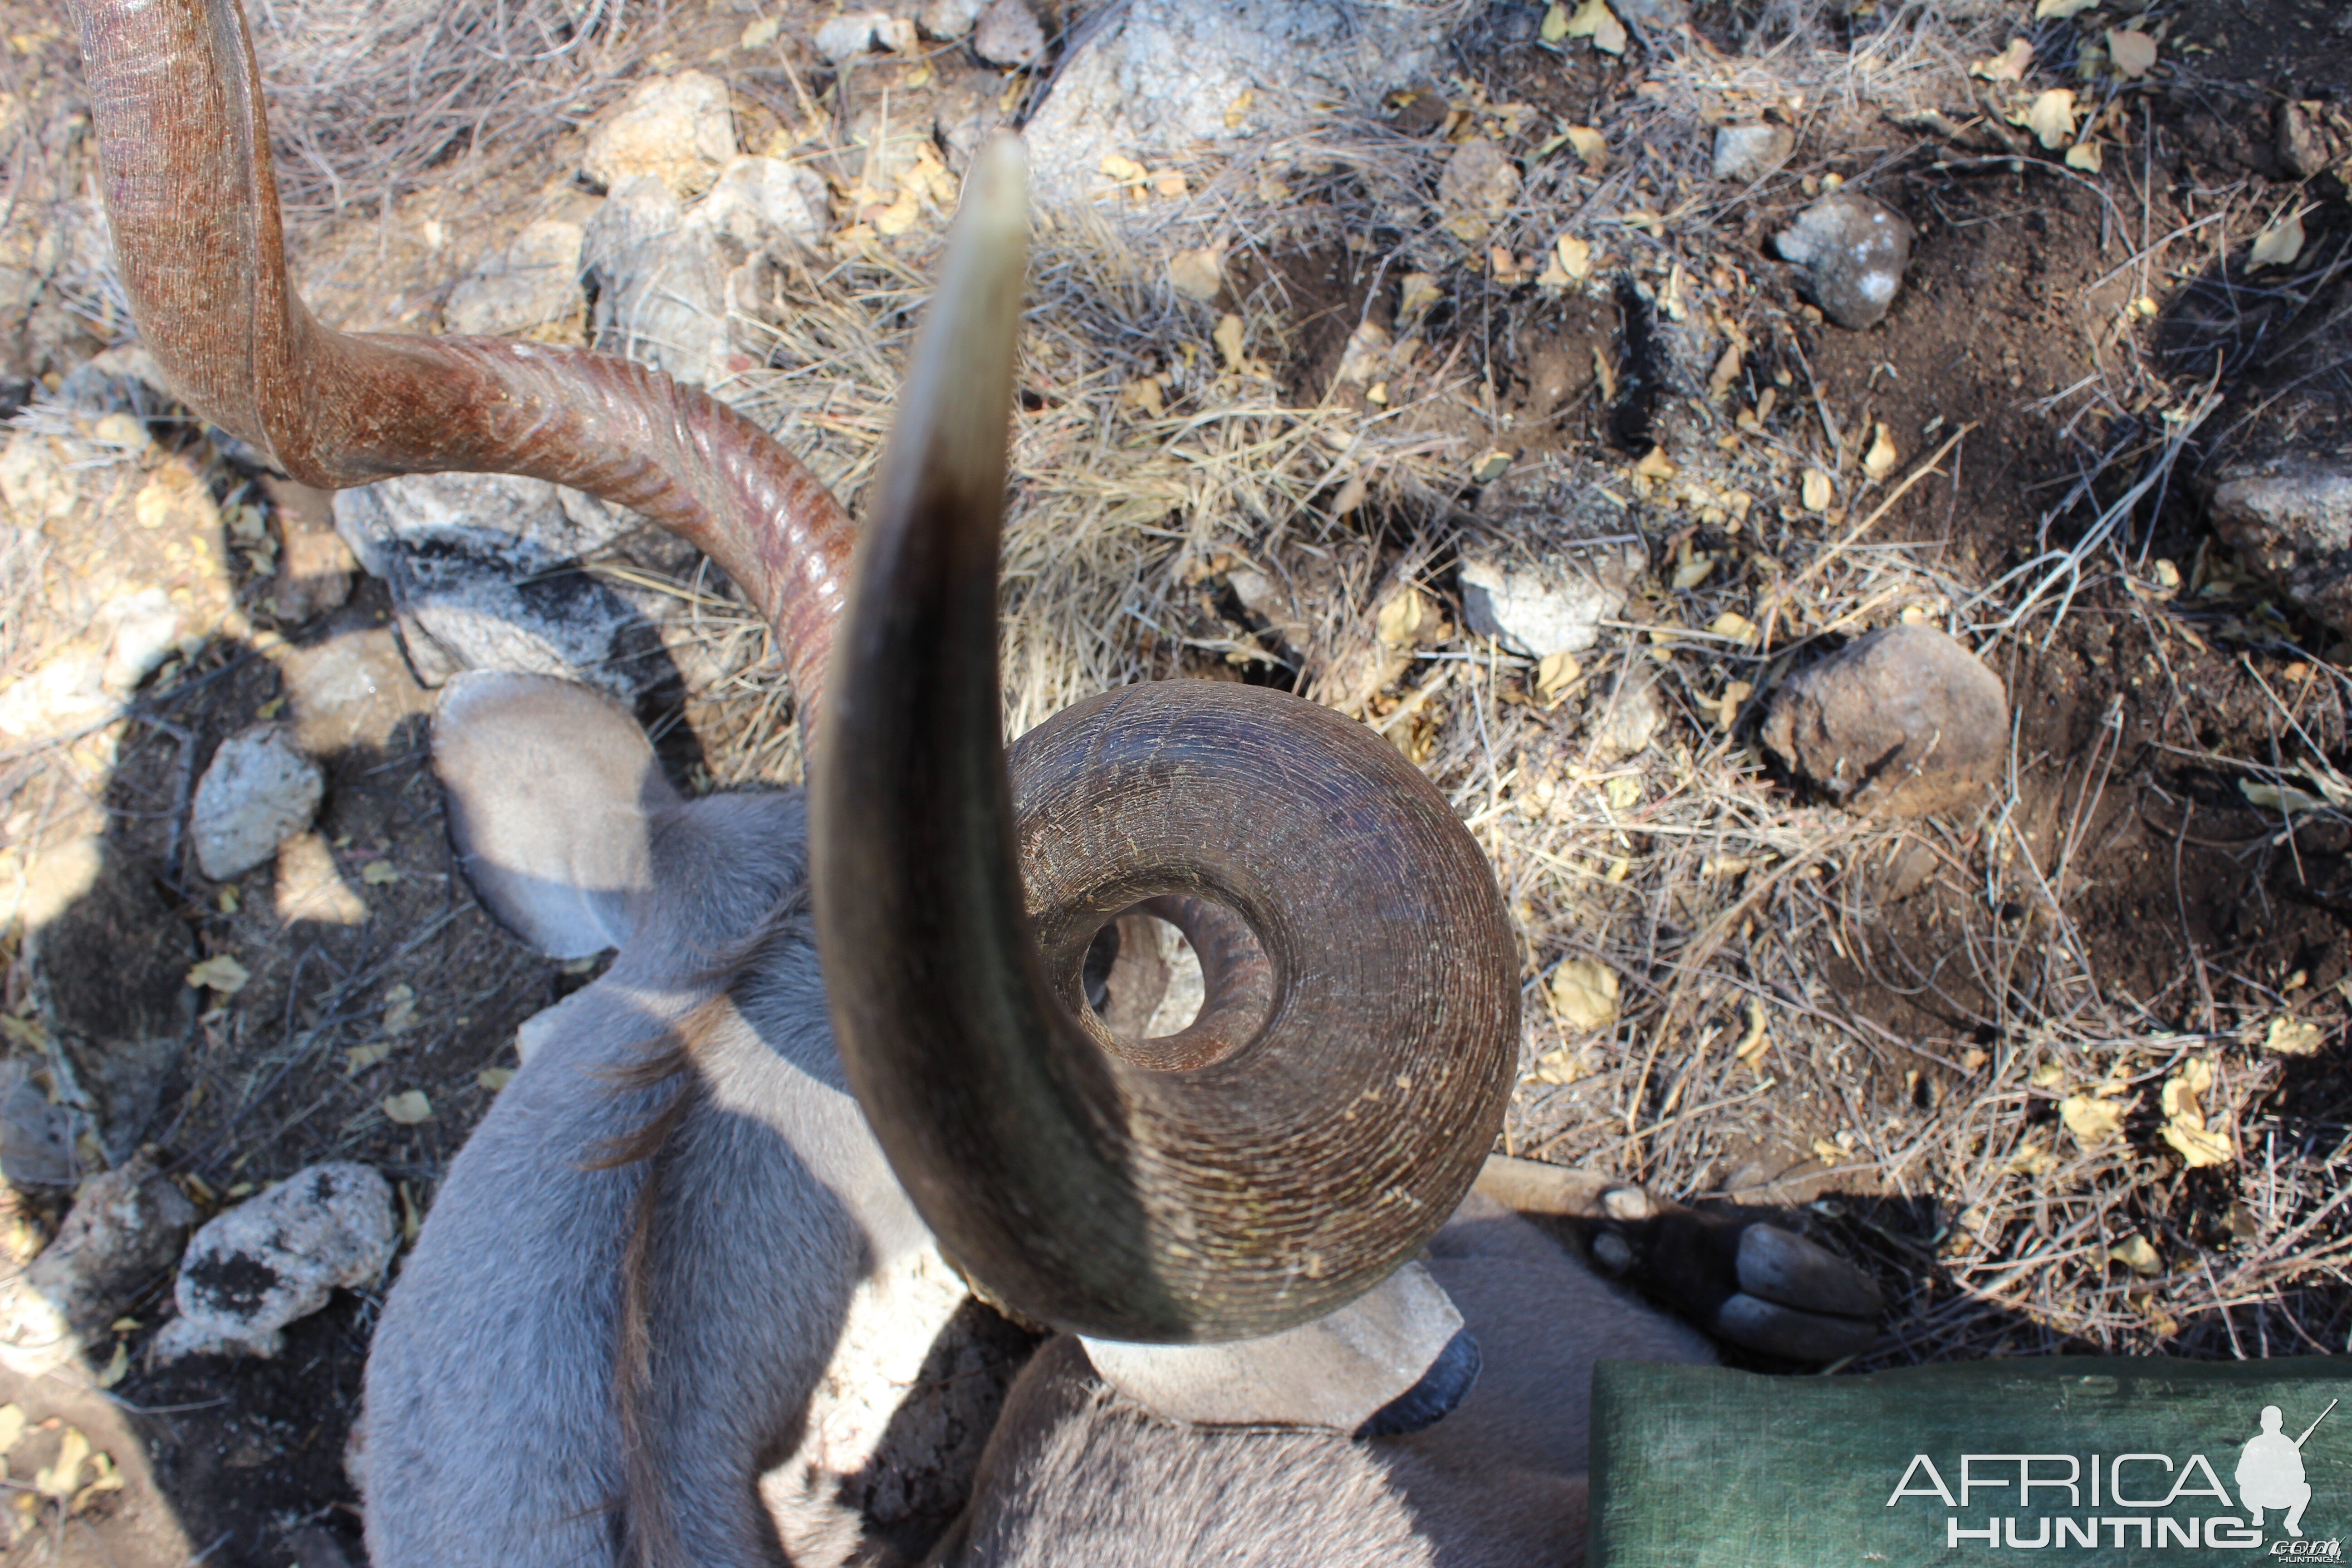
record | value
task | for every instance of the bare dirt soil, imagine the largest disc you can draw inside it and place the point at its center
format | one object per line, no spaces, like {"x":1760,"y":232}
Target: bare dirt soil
{"x":1901,"y":1035}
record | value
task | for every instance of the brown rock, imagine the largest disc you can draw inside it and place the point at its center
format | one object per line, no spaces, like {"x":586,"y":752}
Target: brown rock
{"x":1899,"y":723}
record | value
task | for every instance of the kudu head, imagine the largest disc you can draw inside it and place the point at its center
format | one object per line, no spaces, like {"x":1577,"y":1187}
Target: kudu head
{"x":1346,"y":1077}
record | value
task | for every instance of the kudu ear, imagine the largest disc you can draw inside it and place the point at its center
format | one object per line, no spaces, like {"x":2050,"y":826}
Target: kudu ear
{"x":552,"y":792}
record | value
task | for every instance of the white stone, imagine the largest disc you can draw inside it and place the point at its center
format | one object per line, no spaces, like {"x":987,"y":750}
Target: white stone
{"x":950,"y":19}
{"x":1172,"y":77}
{"x":1747,"y":152}
{"x":845,"y":37}
{"x":758,"y":200}
{"x":1008,"y":36}
{"x":258,"y":792}
{"x":275,"y":1258}
{"x":533,"y":282}
{"x":677,"y":129}
{"x":1555,"y":607}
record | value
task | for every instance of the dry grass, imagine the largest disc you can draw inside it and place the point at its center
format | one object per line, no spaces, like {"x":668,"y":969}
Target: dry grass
{"x":368,"y":98}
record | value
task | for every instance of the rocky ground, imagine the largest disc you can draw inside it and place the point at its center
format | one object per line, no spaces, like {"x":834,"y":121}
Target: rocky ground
{"x":1854,"y":505}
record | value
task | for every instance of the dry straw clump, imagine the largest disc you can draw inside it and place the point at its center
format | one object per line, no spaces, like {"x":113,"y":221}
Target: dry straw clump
{"x":367,"y":97}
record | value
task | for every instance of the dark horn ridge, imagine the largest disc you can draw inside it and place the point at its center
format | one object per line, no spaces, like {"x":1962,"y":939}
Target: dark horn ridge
{"x":1237,"y":1198}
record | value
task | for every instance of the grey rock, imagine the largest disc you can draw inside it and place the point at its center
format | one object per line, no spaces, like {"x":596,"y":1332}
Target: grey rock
{"x":124,"y":1228}
{"x":275,"y":1258}
{"x":1902,"y":722}
{"x":1553,"y":606}
{"x":758,"y":202}
{"x":1634,"y":716}
{"x":1159,"y":78}
{"x":482,"y":569}
{"x":108,"y":957}
{"x":673,"y":284}
{"x":1853,"y":252}
{"x":845,"y":37}
{"x":659,"y":287}
{"x":534,"y":282}
{"x":36,"y":1135}
{"x":950,"y":19}
{"x":1750,"y":150}
{"x":2290,"y":519}
{"x":968,"y":109}
{"x":1008,"y":35}
{"x":676,"y":129}
{"x":258,"y":791}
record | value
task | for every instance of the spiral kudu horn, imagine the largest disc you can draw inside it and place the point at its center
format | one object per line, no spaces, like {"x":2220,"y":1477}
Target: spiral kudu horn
{"x":1327,"y":1131}
{"x":184,"y":153}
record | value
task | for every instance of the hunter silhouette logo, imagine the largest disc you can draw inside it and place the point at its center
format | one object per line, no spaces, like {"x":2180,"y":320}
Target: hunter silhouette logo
{"x":2145,"y":1499}
{"x":2270,"y":1470}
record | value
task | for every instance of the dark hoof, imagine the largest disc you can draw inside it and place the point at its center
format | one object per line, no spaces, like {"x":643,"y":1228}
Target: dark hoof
{"x":1750,"y":1284}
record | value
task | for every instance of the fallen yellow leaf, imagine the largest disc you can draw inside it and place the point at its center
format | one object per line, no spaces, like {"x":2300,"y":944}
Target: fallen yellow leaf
{"x":1555,"y":24}
{"x":1591,"y":148}
{"x":60,"y":1477}
{"x":2184,"y":1111}
{"x":377,"y":873}
{"x":2084,"y":155}
{"x":220,"y":973}
{"x":2291,"y":1036}
{"x":1556,"y":674}
{"x":2050,"y":117}
{"x":1401,"y":619}
{"x":2138,"y":1255}
{"x":362,"y":1057}
{"x":1594,"y":20}
{"x":408,"y":1108}
{"x":2092,"y":1120}
{"x":1228,"y":337}
{"x":1815,"y":490}
{"x":1758,"y":1039}
{"x":1560,"y":1065}
{"x":2133,"y":51}
{"x":117,"y":1366}
{"x":1575,"y":256}
{"x":2010,"y":65}
{"x":1584,"y":992}
{"x":1197,"y":274}
{"x":2044,"y":10}
{"x":2031,"y":1160}
{"x":1693,"y":570}
{"x":1733,"y":625}
{"x":495,"y":1078}
{"x":1880,"y":460}
{"x":2278,"y":245}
